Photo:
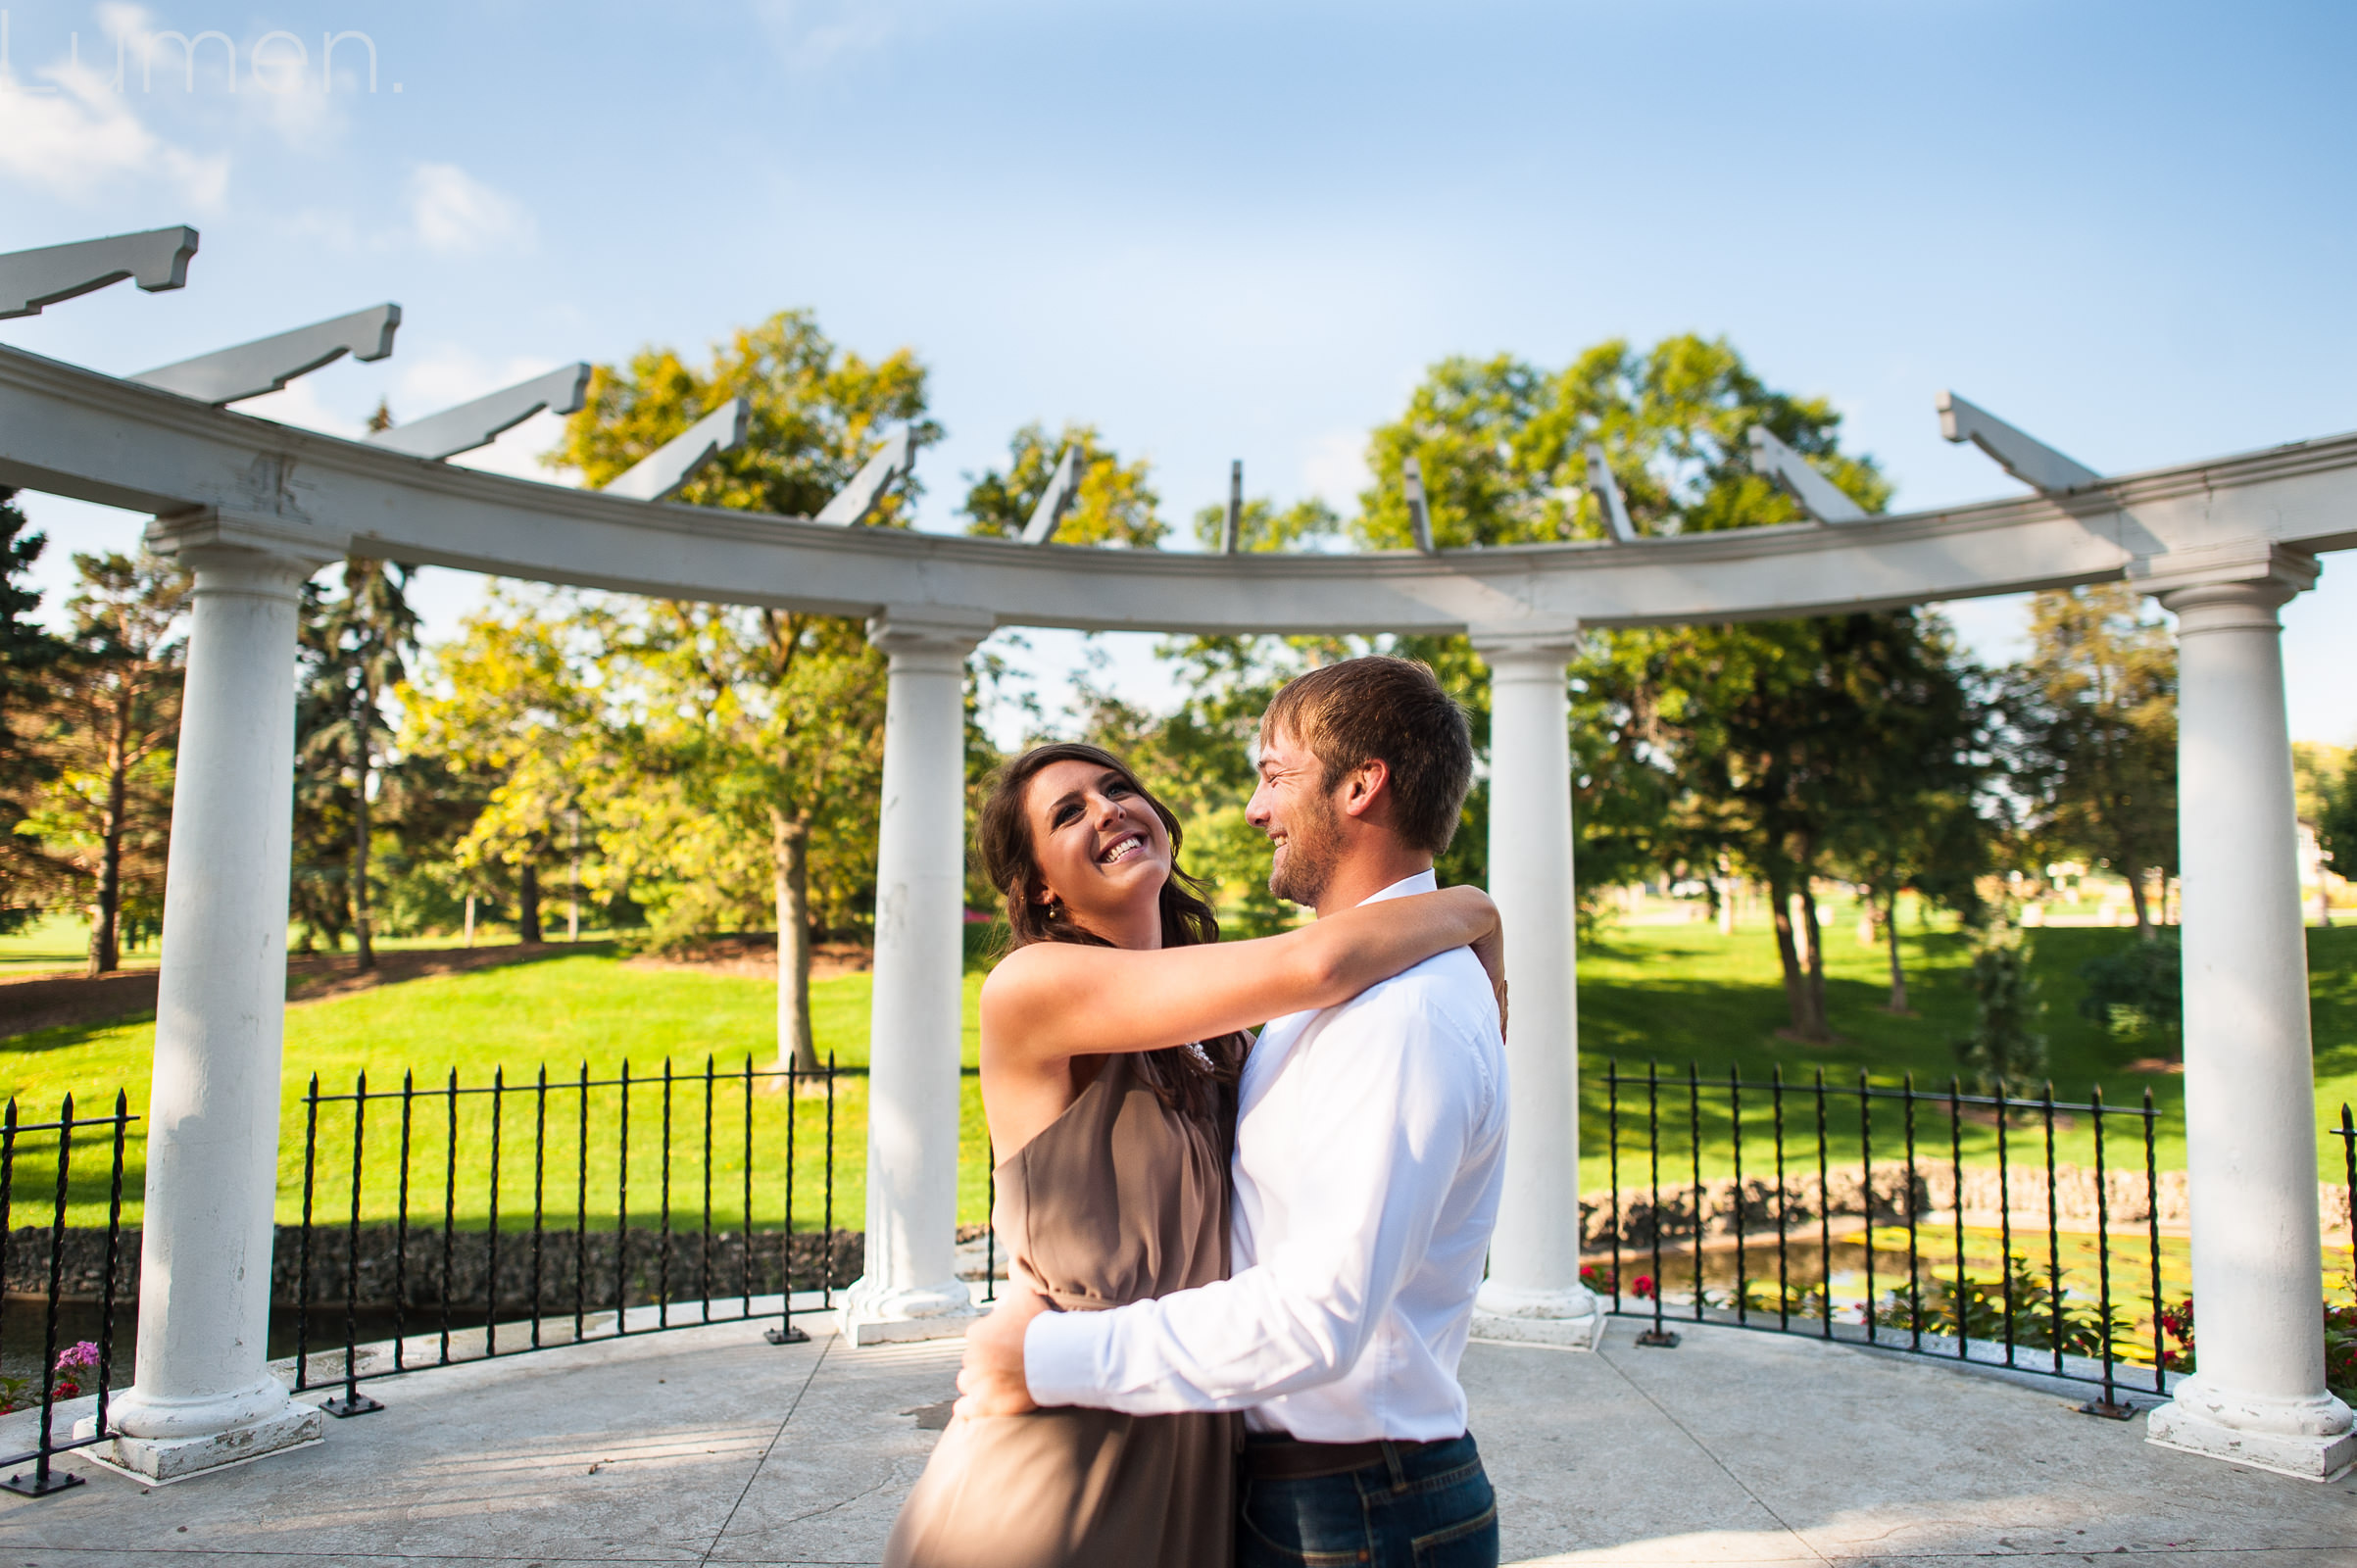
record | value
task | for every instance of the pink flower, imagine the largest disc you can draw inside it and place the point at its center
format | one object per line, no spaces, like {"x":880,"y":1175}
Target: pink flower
{"x":81,"y":1358}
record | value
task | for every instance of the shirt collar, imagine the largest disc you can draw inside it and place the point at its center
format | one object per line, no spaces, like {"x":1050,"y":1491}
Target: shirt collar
{"x":1407,"y":886}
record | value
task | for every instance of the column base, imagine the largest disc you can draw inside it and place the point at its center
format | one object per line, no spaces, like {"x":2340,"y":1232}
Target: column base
{"x":159,"y":1460}
{"x":873,"y":1314}
{"x":1572,"y":1319}
{"x":2307,"y":1439}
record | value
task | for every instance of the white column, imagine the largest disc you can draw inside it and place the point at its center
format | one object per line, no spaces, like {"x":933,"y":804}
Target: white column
{"x":202,"y":1396}
{"x":911,"y":1288}
{"x":2258,"y":1393}
{"x":1534,"y":1291}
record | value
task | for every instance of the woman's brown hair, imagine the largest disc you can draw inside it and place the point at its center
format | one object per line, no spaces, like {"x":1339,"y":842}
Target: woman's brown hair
{"x":1186,"y":1082}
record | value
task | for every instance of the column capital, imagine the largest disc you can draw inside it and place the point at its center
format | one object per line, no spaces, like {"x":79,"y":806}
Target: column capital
{"x":1527,"y":646}
{"x":2240,"y":565}
{"x":270,"y":544}
{"x":916,"y":633}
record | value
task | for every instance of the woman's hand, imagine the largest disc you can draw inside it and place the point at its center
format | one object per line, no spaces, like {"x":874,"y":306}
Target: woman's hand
{"x":1490,"y":949}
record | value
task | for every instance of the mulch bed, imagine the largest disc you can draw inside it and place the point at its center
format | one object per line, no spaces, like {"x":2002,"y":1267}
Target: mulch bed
{"x":755,"y":955}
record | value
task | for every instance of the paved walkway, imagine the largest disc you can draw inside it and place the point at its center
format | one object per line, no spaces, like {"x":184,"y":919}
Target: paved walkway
{"x":706,"y":1445}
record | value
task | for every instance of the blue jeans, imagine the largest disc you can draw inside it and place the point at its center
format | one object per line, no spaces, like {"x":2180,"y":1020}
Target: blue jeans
{"x":1430,"y":1509}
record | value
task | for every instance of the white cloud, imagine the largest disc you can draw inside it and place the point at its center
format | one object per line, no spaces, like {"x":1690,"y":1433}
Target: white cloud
{"x":299,"y":405}
{"x":446,"y":373}
{"x":72,"y":135}
{"x":1335,"y":468}
{"x":457,"y":215}
{"x":813,"y":33}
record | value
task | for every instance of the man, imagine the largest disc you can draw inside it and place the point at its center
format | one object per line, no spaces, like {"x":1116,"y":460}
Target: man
{"x":1370,"y":1149}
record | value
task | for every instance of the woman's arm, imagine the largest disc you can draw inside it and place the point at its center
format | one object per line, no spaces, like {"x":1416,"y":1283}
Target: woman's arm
{"x":1055,"y":1000}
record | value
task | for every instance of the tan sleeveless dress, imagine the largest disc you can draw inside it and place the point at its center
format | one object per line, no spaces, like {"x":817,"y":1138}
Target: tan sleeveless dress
{"x":1120,"y":1199}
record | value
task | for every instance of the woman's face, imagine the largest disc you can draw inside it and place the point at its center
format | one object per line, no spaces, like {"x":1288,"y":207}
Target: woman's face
{"x":1102,"y":850}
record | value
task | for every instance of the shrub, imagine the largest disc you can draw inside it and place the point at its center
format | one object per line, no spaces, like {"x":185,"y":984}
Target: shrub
{"x":2003,"y":1047}
{"x":2138,"y":992}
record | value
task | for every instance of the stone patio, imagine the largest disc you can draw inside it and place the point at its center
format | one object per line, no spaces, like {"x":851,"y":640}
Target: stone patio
{"x":706,"y":1445}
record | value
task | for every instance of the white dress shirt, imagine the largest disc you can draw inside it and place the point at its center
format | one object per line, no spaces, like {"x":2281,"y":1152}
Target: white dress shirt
{"x":1370,"y":1148}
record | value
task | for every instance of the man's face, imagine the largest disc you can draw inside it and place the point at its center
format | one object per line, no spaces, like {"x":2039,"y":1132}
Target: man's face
{"x":1298,"y":816}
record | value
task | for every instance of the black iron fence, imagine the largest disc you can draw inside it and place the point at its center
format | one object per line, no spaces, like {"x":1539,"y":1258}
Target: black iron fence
{"x":418,"y":1197}
{"x":453,"y":1222}
{"x":64,"y":1374}
{"x":1855,"y":1211}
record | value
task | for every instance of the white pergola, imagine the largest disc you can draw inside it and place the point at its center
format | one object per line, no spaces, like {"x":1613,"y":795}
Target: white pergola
{"x":254,"y":508}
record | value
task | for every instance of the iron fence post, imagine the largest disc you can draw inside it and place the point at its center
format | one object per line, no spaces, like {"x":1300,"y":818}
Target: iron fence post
{"x":351,"y":1402}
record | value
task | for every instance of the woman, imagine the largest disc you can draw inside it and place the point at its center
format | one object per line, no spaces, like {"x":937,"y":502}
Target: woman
{"x":1112,"y":1038}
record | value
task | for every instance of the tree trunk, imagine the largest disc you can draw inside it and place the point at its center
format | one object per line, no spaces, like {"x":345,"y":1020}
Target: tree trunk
{"x":2136,"y":895}
{"x":790,"y":861}
{"x":363,"y":939}
{"x":1807,"y":1021}
{"x":527,"y":902}
{"x":106,"y":924}
{"x":1898,"y":968}
{"x":1814,"y":934}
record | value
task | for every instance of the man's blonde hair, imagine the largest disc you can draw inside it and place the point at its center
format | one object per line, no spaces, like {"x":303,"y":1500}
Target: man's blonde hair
{"x":1393,"y":710}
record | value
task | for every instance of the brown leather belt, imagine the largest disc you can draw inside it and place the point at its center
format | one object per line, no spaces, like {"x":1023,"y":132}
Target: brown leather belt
{"x":1291,"y":1460}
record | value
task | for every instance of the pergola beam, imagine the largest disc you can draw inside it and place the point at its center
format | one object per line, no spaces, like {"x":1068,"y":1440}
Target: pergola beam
{"x":2028,"y":459}
{"x":662,"y":473}
{"x":1817,"y":495}
{"x":156,"y":259}
{"x":856,"y":501}
{"x":267,"y":365}
{"x":1609,"y":499}
{"x":484,"y":420}
{"x":1063,"y":488}
{"x":70,"y":431}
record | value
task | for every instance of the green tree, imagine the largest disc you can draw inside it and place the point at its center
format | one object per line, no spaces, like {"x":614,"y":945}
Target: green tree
{"x":357,"y":647}
{"x":1501,"y":445}
{"x":1909,"y":808}
{"x":27,"y":653}
{"x":510,"y":710}
{"x":786,"y":698}
{"x":2095,"y":718}
{"x":817,"y":413}
{"x":1113,"y":503}
{"x":114,"y":716}
{"x":748,"y":750}
{"x":1262,"y":526}
{"x":1691,"y":743}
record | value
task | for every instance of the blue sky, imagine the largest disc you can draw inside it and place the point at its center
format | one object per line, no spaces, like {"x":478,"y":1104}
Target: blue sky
{"x":1228,"y":231}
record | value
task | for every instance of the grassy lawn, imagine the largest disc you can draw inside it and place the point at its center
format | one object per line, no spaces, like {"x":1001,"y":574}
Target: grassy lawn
{"x":1676,"y":995}
{"x":1686,"y":996}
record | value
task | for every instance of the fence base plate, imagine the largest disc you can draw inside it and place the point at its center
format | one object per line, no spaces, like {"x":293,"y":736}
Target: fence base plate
{"x":1658,"y":1338}
{"x":2108,"y":1410}
{"x":789,"y":1335}
{"x":30,"y":1483}
{"x":343,"y":1406}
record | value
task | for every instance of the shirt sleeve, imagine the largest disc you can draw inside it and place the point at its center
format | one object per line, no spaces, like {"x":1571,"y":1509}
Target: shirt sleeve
{"x":1373,"y":1172}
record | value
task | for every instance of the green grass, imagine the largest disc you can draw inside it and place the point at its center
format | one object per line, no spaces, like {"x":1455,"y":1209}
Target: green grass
{"x":59,"y":941}
{"x":1686,"y":997}
{"x":561,"y":1011}
{"x":1676,"y":995}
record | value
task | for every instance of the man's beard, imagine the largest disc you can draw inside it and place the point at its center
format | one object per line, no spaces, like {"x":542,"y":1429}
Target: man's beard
{"x":1311,"y":848}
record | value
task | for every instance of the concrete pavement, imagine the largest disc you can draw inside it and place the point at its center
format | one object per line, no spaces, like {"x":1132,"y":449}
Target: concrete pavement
{"x":706,"y":1445}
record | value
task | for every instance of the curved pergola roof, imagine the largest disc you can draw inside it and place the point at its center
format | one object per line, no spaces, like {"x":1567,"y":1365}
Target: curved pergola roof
{"x":74,"y":432}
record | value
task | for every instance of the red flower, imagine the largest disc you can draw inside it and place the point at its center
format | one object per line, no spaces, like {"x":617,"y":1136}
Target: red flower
{"x":1643,"y":1287}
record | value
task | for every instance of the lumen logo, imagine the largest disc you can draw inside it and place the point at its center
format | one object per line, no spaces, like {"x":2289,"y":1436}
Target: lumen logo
{"x":276,"y":63}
